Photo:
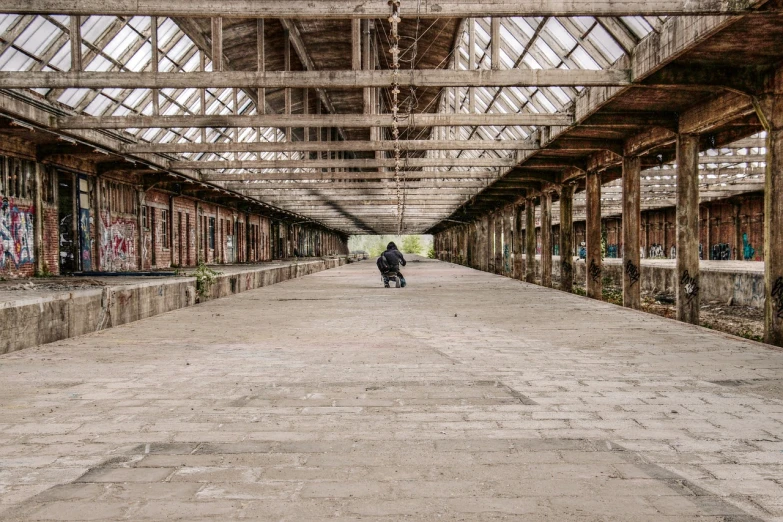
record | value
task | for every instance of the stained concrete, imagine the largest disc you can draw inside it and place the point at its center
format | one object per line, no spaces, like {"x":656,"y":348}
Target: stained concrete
{"x":40,"y":314}
{"x":465,"y":396}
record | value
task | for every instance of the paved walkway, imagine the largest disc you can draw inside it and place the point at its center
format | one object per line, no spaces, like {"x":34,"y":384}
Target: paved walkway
{"x":465,"y":396}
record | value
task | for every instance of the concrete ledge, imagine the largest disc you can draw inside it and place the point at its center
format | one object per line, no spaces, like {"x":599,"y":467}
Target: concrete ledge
{"x":738,"y":282}
{"x":39,"y":320}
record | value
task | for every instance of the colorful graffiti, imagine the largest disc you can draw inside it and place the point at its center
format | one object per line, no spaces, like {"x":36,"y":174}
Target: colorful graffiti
{"x":118,"y":250}
{"x":16,"y":234}
{"x":747,"y":249}
{"x":85,"y":226}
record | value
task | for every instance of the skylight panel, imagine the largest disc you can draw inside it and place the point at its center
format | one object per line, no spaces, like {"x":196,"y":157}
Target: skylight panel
{"x":180,"y":49}
{"x":99,"y":63}
{"x":62,"y":59}
{"x":638,"y":25}
{"x":37,"y":37}
{"x":72,"y":97}
{"x":605,"y":43}
{"x":13,"y":60}
{"x":120,"y":44}
{"x":141,"y":59}
{"x":584,"y":60}
{"x":93,"y":27}
{"x":7,"y":21}
{"x":98,"y":106}
{"x":531,"y":62}
{"x":547,"y":51}
{"x":167,"y":31}
{"x":559,"y":32}
{"x":135,"y":97}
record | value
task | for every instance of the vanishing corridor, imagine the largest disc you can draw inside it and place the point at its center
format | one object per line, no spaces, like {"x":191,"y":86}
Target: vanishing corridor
{"x":466,"y":396}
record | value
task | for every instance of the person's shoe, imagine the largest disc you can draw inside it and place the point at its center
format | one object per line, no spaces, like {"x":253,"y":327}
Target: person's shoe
{"x":386,"y":285}
{"x":402,"y":282}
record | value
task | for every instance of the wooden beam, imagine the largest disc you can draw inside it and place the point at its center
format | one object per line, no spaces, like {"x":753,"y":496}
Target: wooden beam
{"x":76,"y":43}
{"x":311,"y":78}
{"x":344,"y":164}
{"x":342,"y":9}
{"x":301,"y":120}
{"x":353,"y":146}
{"x":217,"y":44}
{"x":328,"y":176}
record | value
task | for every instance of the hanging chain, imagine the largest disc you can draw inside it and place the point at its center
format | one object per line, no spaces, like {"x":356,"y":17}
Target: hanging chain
{"x":394,"y":20}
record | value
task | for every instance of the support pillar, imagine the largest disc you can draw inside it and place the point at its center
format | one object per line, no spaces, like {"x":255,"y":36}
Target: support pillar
{"x":508,"y":217}
{"x":688,"y":228}
{"x":517,"y":220}
{"x":594,"y":258}
{"x":530,"y":240}
{"x":499,"y":241}
{"x":38,"y":222}
{"x":491,"y":244}
{"x":770,"y":109}
{"x":632,"y":215}
{"x":567,"y":238}
{"x":546,"y":239}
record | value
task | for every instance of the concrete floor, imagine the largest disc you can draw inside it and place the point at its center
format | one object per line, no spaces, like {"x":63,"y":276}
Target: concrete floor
{"x":465,"y":396}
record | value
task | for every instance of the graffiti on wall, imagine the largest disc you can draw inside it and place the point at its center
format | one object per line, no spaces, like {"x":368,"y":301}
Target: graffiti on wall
{"x":118,"y":250}
{"x":747,"y":249}
{"x":690,"y":285}
{"x":612,"y":251}
{"x":777,"y":297}
{"x":507,"y":258}
{"x":16,"y":234}
{"x":721,"y":252}
{"x":85,"y":226}
{"x":633,"y":272}
{"x":656,"y":252}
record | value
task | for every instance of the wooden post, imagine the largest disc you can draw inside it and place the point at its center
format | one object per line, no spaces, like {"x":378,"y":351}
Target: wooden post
{"x":491,"y":237}
{"x":567,"y":238}
{"x":38,"y":221}
{"x":472,"y":62}
{"x":517,"y":246}
{"x":632,"y":215}
{"x":770,"y":110}
{"x":155,"y":62}
{"x":261,"y":66}
{"x":495,"y":43}
{"x":594,"y":256}
{"x":287,"y":67}
{"x":76,"y":43}
{"x":688,"y":298}
{"x":530,"y":240}
{"x":203,"y":95}
{"x":217,"y":44}
{"x":546,"y":239}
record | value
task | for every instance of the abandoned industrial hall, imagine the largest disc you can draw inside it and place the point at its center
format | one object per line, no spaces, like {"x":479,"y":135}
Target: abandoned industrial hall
{"x":189,"y":332}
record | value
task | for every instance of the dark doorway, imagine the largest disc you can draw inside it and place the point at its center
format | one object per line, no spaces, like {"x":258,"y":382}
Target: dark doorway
{"x":66,"y":215}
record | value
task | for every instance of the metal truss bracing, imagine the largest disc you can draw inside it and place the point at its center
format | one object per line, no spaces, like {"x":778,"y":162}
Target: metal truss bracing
{"x":292,"y":95}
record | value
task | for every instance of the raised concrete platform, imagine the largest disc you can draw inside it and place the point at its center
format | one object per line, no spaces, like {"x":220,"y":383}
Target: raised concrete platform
{"x":40,"y":313}
{"x":466,"y":396}
{"x":738,"y":282}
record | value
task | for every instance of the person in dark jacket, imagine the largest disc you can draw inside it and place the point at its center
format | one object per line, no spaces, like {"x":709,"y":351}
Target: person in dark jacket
{"x":394,"y":258}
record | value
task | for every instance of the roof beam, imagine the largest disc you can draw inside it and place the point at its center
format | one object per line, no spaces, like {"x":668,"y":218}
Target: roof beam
{"x":307,"y":120}
{"x":378,"y":8}
{"x":346,"y":163}
{"x":315,"y":79}
{"x":328,"y":176}
{"x":314,"y":146}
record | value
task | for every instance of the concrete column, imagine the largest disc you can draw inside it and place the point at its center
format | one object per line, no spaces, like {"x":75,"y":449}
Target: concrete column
{"x":594,"y":258}
{"x":546,"y":239}
{"x":530,"y":240}
{"x":567,"y":238}
{"x":632,"y":215}
{"x":770,"y":111}
{"x":688,"y":228}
